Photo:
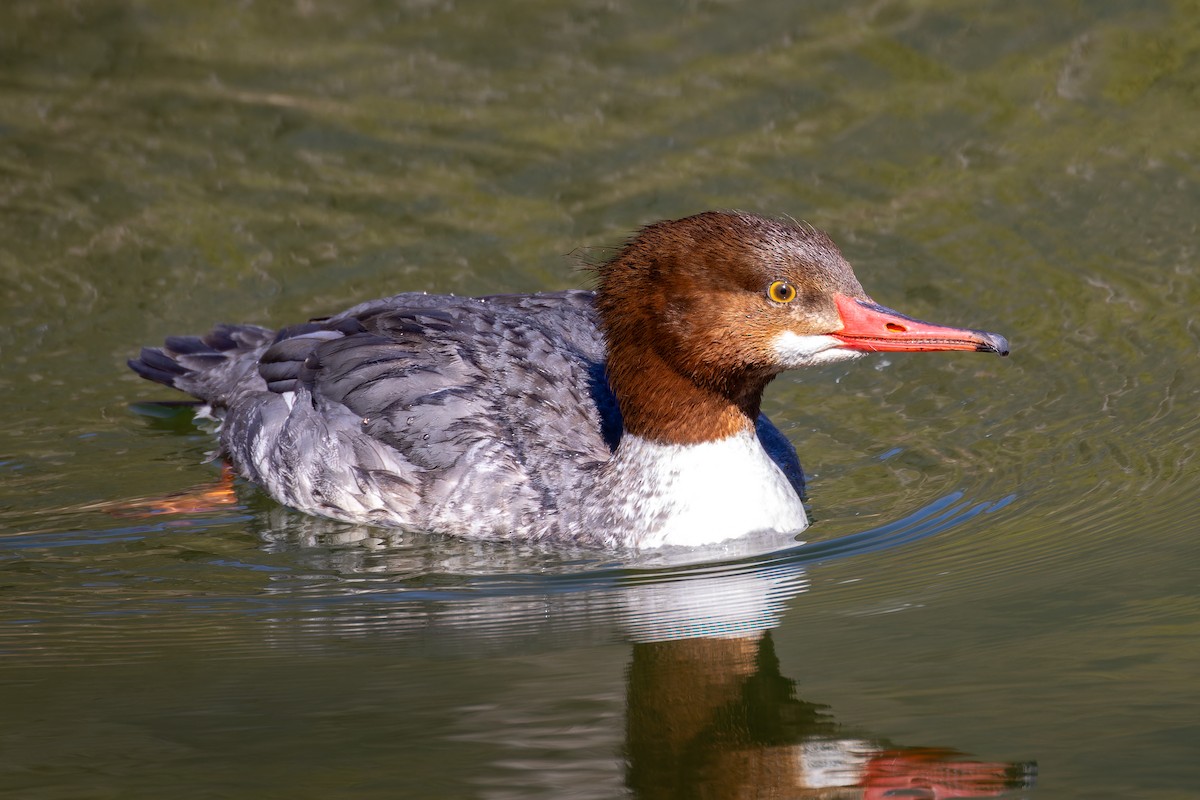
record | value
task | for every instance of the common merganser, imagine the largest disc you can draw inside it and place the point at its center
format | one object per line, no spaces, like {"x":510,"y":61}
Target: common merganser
{"x":627,"y":417}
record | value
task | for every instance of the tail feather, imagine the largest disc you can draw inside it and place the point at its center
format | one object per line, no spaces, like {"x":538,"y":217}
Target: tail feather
{"x":188,"y":345}
{"x":157,"y":366}
{"x":214,"y":367}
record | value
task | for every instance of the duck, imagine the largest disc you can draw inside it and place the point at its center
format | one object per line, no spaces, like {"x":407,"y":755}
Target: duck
{"x":624,"y":417}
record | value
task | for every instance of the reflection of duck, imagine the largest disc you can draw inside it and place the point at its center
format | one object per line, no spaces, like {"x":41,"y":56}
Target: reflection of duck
{"x":707,"y":711}
{"x":498,"y":417}
{"x":715,"y":718}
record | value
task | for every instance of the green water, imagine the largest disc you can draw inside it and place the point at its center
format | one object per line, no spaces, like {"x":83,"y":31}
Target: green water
{"x":1004,"y":559}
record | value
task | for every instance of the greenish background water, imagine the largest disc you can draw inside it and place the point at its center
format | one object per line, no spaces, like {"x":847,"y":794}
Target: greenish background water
{"x":1004,"y":560}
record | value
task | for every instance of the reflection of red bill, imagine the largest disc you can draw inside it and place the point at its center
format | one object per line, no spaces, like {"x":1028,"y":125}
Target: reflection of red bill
{"x":926,"y":773}
{"x":933,"y":774}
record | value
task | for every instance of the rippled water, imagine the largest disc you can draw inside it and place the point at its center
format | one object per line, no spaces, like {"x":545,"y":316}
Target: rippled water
{"x":1003,"y":566}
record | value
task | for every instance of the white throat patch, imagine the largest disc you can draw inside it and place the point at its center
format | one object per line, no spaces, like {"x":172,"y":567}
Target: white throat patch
{"x":794,"y":350}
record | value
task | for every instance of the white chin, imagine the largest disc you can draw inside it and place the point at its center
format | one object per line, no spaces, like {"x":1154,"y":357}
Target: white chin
{"x":794,"y":350}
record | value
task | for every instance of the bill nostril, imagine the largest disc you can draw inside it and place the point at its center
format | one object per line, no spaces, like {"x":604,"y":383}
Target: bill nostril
{"x":892,"y":326}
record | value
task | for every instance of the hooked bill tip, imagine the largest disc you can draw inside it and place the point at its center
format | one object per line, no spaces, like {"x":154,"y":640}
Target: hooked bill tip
{"x":992,"y":343}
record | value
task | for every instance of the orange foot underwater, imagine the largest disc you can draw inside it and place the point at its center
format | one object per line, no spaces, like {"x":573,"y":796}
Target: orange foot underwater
{"x":199,"y":499}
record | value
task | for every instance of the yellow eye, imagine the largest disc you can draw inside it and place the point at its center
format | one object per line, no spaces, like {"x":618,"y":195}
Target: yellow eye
{"x":781,"y":292}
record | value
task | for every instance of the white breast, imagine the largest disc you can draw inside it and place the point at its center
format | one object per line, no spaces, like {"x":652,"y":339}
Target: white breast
{"x":689,"y":495}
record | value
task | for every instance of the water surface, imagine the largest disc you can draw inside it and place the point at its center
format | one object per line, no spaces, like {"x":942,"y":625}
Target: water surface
{"x":1003,"y":567}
